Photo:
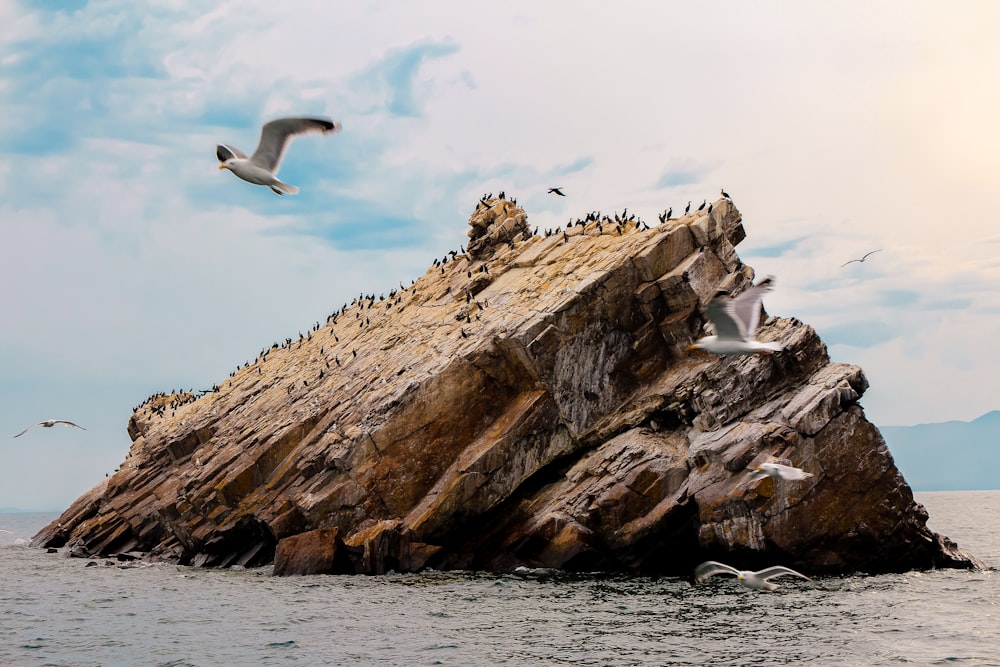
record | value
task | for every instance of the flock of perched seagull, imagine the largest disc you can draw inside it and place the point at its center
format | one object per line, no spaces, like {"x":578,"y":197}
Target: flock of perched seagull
{"x":735,"y":319}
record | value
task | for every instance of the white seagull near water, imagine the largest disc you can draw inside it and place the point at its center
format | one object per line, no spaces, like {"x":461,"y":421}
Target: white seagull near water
{"x":759,"y":580}
{"x":262,"y":167}
{"x":49,"y":423}
{"x":735,"y":320}
{"x":778,"y":471}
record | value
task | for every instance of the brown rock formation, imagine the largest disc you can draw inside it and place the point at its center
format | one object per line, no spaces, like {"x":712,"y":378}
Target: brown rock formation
{"x":541,"y":411}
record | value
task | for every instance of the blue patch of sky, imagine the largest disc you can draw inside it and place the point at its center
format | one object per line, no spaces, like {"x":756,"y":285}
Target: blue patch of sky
{"x":57,"y":6}
{"x":573,"y":167}
{"x":357,"y":225}
{"x":61,"y":87}
{"x":770,"y":252}
{"x":682,"y":176}
{"x":897,"y":298}
{"x":241,"y":114}
{"x":397,"y":72}
{"x":100,"y":54}
{"x":858,"y":334}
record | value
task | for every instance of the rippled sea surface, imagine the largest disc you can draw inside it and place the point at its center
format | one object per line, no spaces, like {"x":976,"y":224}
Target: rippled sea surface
{"x":57,"y":611}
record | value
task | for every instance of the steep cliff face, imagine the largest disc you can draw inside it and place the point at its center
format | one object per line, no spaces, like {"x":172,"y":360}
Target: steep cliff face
{"x":532,"y":402}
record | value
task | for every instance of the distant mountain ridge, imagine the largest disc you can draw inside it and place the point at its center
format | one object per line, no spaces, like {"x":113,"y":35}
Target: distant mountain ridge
{"x":948,"y":456}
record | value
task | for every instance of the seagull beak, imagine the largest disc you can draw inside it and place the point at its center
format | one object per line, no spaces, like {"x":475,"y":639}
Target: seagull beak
{"x":692,"y":348}
{"x":223,"y":166}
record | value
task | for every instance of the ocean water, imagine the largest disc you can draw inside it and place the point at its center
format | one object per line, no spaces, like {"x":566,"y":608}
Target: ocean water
{"x":58,"y":611}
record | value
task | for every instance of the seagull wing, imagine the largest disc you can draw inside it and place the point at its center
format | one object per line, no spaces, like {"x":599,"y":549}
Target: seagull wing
{"x":747,"y":304}
{"x":276,"y":134}
{"x":870,"y":253}
{"x":778,"y":571}
{"x":24,"y":431}
{"x":67,"y":422}
{"x":722,"y":312}
{"x":710,"y":568}
{"x":225,"y":152}
{"x":789,"y":472}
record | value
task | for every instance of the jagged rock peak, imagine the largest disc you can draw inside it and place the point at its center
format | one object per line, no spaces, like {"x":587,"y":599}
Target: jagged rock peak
{"x":496,"y":221}
{"x":533,"y":403}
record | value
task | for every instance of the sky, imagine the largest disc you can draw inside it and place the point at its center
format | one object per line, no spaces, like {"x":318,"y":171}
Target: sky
{"x":131,"y":264}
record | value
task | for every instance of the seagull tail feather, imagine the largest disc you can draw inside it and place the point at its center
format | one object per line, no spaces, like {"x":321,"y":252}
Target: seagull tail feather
{"x":284,"y":188}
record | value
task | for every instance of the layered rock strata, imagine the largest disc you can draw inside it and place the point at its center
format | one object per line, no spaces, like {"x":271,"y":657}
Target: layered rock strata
{"x":532,"y":402}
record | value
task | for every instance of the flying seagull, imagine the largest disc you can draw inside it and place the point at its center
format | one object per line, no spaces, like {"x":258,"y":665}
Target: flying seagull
{"x":735,"y":319}
{"x":862,"y":259}
{"x":261,"y":168}
{"x":758,"y":580}
{"x":556,"y":191}
{"x":49,"y":423}
{"x":778,"y":471}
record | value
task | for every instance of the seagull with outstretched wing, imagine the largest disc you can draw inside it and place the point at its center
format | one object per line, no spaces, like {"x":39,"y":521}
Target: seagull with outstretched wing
{"x":759,"y":580}
{"x":778,"y":471}
{"x":735,"y":320}
{"x":861,"y":259}
{"x":261,"y":168}
{"x":49,"y":423}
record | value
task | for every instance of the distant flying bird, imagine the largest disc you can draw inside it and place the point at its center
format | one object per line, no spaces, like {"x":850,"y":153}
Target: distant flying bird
{"x":261,"y":168}
{"x":735,"y":319}
{"x":556,"y":191}
{"x":758,"y":580}
{"x":778,"y":471}
{"x":49,"y":423}
{"x":862,"y":259}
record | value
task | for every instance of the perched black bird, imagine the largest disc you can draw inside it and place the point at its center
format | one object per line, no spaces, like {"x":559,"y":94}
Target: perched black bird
{"x":556,"y":191}
{"x":670,"y":212}
{"x":703,"y":202}
{"x":687,"y":208}
{"x":725,"y":194}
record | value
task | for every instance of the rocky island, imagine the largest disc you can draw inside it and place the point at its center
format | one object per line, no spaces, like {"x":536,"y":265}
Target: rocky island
{"x":530,"y":401}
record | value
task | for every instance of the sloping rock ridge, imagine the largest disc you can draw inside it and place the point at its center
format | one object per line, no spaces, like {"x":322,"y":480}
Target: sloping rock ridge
{"x":531,"y":402}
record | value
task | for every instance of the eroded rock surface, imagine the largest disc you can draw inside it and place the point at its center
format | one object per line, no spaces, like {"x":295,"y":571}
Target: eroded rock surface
{"x":529,"y":403}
